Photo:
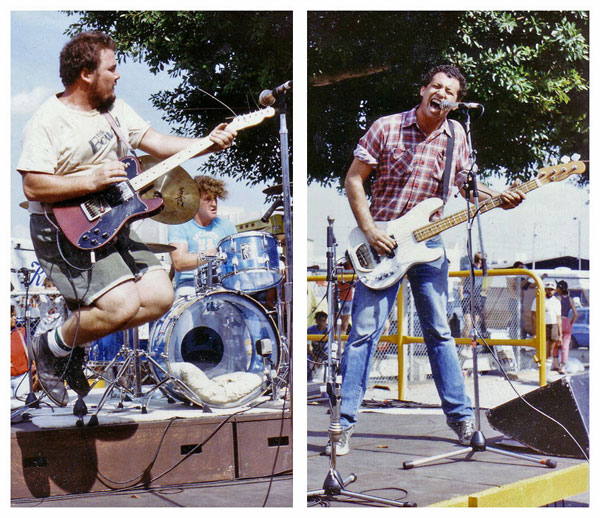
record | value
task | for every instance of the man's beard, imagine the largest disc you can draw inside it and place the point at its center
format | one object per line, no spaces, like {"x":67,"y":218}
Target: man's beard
{"x":102,"y":104}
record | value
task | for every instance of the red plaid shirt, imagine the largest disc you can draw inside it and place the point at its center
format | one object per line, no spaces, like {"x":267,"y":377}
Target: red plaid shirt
{"x":409,"y":166}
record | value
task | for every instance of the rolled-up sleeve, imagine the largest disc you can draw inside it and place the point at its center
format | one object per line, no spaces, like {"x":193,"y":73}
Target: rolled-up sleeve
{"x":369,"y":146}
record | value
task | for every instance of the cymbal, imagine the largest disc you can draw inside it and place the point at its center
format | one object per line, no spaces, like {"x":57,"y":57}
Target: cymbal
{"x":159,"y":248}
{"x":24,"y":204}
{"x":276,"y":189}
{"x":178,"y":191}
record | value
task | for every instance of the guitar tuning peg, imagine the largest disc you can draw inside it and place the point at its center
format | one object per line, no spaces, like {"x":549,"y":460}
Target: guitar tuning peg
{"x":564,"y":159}
{"x":575,"y":157}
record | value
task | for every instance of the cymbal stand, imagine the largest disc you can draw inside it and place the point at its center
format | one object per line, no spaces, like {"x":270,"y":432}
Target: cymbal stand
{"x":334,"y":484}
{"x":132,"y":367}
{"x":478,"y":440}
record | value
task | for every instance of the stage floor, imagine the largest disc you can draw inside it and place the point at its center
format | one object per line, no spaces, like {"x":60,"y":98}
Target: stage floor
{"x":174,"y":455}
{"x":384,"y":439}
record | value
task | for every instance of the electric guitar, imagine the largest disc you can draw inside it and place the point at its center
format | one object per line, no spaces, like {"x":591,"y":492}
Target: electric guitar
{"x":412,"y":230}
{"x":92,"y":221}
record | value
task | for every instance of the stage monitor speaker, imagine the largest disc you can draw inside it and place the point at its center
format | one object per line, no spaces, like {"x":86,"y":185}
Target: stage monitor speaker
{"x":565,"y":400}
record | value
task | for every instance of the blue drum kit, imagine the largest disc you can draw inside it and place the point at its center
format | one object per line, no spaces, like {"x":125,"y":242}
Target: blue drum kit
{"x":220,"y":347}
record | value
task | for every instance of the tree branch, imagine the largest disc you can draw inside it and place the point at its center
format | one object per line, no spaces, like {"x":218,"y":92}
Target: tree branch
{"x":326,"y":80}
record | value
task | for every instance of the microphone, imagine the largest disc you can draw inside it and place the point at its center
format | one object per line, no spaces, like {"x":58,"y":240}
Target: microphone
{"x":447,"y":105}
{"x":268,"y":97}
{"x":271,"y":209}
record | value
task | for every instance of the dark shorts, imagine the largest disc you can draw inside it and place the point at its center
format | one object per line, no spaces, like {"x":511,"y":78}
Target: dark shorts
{"x":552,"y":332}
{"x":71,"y":270}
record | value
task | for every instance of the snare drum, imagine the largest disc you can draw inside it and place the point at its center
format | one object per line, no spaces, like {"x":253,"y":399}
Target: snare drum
{"x":252,"y":262}
{"x":209,"y":342}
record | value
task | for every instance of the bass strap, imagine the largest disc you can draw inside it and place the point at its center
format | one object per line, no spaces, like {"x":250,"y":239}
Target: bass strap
{"x":113,"y":124}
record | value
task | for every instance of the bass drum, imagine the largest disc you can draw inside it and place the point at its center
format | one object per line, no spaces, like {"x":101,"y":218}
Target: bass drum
{"x":218,"y":347}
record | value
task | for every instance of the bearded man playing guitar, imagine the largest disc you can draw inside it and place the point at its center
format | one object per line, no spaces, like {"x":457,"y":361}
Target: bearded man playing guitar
{"x":71,"y":148}
{"x":407,"y":153}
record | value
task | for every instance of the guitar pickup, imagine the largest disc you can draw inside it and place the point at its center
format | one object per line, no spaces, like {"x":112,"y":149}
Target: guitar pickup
{"x":95,"y":208}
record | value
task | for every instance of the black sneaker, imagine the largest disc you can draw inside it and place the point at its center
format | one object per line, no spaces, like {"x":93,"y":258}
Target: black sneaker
{"x":73,"y":365}
{"x":464,"y":429}
{"x":48,"y":370}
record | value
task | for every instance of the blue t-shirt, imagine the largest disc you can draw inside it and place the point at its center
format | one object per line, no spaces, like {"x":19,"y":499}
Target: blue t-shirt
{"x":199,"y":239}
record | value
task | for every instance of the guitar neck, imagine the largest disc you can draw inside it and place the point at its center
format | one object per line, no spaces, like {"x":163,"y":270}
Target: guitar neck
{"x":146,"y":178}
{"x":437,"y":227}
{"x":240,"y":122}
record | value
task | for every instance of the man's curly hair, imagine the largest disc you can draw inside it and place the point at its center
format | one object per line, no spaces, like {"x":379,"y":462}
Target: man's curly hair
{"x":209,"y":186}
{"x":83,"y":51}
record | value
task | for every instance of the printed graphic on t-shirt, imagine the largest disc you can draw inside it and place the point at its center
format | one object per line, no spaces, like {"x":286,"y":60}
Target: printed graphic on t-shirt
{"x":99,"y":140}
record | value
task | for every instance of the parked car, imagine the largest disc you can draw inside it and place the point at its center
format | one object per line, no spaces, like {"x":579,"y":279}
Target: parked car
{"x":580,"y":334}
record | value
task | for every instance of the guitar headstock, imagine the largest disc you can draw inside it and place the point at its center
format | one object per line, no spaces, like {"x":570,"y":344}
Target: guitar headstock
{"x":251,"y":119}
{"x":560,"y":172}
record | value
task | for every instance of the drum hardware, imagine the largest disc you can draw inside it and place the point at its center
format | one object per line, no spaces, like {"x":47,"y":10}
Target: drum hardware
{"x":208,"y":274}
{"x":276,"y":189}
{"x":131,"y":367}
{"x":264,"y":347}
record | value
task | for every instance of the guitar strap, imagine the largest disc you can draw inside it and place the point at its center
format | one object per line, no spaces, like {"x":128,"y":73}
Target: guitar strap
{"x":449,"y":153}
{"x":120,"y":137}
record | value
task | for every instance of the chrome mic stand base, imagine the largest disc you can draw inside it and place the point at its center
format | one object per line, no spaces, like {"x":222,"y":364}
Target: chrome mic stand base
{"x":335,"y":486}
{"x":478,"y":444}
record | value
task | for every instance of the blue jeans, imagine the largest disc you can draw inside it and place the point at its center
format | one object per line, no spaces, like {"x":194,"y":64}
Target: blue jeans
{"x":370,"y":310}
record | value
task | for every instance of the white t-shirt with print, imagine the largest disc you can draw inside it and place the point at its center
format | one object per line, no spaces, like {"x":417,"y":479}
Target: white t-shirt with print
{"x":62,"y":140}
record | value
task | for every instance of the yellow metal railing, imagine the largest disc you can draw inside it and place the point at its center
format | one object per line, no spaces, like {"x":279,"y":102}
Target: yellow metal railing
{"x":538,"y":341}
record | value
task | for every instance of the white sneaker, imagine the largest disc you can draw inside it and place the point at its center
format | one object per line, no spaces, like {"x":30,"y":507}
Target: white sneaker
{"x":343,"y":444}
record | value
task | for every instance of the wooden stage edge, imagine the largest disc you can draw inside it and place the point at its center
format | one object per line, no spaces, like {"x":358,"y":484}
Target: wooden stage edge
{"x":74,"y":460}
{"x":532,"y":492}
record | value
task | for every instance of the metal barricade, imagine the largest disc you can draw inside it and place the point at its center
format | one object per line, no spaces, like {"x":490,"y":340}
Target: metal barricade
{"x":502,"y":317}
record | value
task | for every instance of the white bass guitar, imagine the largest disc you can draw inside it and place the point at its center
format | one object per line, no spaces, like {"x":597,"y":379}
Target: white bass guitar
{"x":412,"y":230}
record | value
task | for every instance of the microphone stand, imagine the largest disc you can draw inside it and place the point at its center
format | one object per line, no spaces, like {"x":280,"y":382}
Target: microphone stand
{"x":31,"y":401}
{"x":478,"y":440}
{"x":281,"y":106}
{"x":334,"y":484}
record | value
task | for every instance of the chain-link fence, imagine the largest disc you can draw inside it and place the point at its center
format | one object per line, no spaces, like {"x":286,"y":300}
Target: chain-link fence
{"x":499,"y":313}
